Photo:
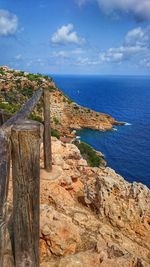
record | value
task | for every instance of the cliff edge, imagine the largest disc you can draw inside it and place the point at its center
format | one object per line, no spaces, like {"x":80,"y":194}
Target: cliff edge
{"x":17,"y":86}
{"x":91,"y":217}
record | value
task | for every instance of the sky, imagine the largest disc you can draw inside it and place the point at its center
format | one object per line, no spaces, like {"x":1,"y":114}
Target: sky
{"x":76,"y":36}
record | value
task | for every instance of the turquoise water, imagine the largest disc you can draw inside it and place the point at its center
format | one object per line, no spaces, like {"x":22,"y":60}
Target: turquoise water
{"x":126,"y":148}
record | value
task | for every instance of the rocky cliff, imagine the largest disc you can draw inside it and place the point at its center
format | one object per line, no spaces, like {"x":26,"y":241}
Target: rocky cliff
{"x":91,"y":217}
{"x":17,"y":86}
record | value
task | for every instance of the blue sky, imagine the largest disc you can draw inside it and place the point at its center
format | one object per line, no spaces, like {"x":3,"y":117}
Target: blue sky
{"x":76,"y":36}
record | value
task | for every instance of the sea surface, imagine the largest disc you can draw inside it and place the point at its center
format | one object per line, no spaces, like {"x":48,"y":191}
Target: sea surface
{"x":126,"y":98}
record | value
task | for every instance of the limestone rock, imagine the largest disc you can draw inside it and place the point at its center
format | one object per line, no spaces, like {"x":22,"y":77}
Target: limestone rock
{"x":58,"y":231}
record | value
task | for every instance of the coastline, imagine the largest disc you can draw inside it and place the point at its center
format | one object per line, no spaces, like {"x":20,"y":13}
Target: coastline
{"x":90,"y":216}
{"x":65,"y":113}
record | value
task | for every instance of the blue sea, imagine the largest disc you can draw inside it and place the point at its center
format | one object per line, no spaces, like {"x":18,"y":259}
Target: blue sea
{"x":126,"y":98}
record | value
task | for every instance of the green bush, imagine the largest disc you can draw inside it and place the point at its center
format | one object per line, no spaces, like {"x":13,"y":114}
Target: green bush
{"x":89,"y":154}
{"x":32,"y":77}
{"x":56,"y":121}
{"x":9,"y":107}
{"x":27,"y":91}
{"x":21,"y":73}
{"x":2,"y":72}
{"x":36,"y":118}
{"x":55,"y":133}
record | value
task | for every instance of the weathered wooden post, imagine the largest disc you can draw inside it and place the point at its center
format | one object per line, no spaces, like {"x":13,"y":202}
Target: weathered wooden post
{"x":47,"y":132}
{"x":4,"y":181}
{"x":5,"y":260}
{"x":26,"y":186}
{"x":4,"y":116}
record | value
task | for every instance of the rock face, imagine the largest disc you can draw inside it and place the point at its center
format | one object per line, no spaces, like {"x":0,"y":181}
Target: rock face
{"x":58,"y":231}
{"x":92,"y":216}
{"x":16,"y":87}
{"x":69,"y":115}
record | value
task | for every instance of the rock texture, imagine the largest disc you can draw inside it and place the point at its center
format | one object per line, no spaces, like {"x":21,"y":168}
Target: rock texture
{"x":69,"y":115}
{"x":92,"y":216}
{"x":16,"y":87}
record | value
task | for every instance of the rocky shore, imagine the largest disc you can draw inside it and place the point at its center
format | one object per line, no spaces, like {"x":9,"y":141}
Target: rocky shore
{"x":17,"y":86}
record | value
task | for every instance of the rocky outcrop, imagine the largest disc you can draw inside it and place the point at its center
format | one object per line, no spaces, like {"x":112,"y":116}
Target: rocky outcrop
{"x":16,"y":87}
{"x":58,"y":231}
{"x":69,"y":115}
{"x":92,"y":216}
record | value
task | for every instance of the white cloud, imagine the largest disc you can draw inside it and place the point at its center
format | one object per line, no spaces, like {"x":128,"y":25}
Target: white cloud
{"x":87,"y":61}
{"x":135,"y":48}
{"x":68,"y":53}
{"x":135,"y":45}
{"x":8,"y":23}
{"x":18,"y":57}
{"x":139,"y":8}
{"x":145,"y":62}
{"x":65,"y":35}
{"x":121,"y":53}
{"x":137,"y":36}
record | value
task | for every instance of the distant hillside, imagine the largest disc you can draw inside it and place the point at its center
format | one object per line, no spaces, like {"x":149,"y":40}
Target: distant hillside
{"x":17,"y":86}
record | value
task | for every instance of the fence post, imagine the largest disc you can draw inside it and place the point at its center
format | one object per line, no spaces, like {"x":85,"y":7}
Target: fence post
{"x":4,"y":116}
{"x":4,"y":182}
{"x":26,"y":186}
{"x":47,"y":132}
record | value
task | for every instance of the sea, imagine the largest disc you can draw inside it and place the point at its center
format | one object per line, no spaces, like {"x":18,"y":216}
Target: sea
{"x":127,"y":99}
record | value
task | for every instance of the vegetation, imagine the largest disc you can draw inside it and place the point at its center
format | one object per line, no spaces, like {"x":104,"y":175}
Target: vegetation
{"x":9,"y":107}
{"x":36,"y":118}
{"x":56,"y":121}
{"x":27,"y":91}
{"x":2,"y":72}
{"x":55,"y":133}
{"x":67,"y":99}
{"x":89,"y":154}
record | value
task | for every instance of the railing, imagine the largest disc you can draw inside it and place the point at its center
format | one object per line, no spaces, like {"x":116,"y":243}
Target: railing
{"x":20,"y":140}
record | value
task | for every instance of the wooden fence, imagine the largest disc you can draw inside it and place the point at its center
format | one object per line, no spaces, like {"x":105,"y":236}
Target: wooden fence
{"x":20,"y":140}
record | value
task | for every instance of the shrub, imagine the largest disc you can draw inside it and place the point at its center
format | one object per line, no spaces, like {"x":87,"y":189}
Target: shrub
{"x":56,"y":121}
{"x":27,"y":91}
{"x":89,"y":154}
{"x":21,"y":73}
{"x":32,"y":77}
{"x":55,"y":133}
{"x":36,"y":118}
{"x":2,"y":72}
{"x":9,"y":107}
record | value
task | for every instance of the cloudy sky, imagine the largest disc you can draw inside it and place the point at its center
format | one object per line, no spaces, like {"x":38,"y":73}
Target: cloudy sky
{"x":76,"y":36}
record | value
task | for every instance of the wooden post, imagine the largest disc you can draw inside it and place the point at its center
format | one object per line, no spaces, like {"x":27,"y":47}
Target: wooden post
{"x":4,"y":182}
{"x":47,"y":132}
{"x":26,"y":184}
{"x":4,"y":116}
{"x":1,"y":118}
